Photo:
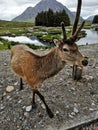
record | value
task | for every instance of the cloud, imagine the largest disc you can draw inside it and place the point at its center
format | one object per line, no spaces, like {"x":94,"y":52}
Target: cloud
{"x":12,"y":8}
{"x":88,"y":7}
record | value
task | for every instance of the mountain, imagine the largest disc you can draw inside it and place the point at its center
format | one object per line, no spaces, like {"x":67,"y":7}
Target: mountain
{"x":74,"y":13}
{"x":90,"y":18}
{"x":30,"y":13}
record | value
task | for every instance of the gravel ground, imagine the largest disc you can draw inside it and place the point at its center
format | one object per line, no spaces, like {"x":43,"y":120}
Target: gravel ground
{"x":70,"y":101}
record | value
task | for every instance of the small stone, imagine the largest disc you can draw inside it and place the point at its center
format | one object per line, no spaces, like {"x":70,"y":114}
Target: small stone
{"x":89,"y":78}
{"x":24,"y":107}
{"x":43,"y":106}
{"x":73,"y":114}
{"x":35,"y":126}
{"x":91,"y":109}
{"x":0,"y":86}
{"x":4,"y":94}
{"x":93,"y":104}
{"x":8,"y":97}
{"x":17,"y":126}
{"x":5,"y":64}
{"x":26,"y":114}
{"x":61,"y":79}
{"x":73,"y":89}
{"x":9,"y":89}
{"x":16,"y":83}
{"x":76,"y":110}
{"x":57,"y":112}
{"x":67,"y":106}
{"x":2,"y":107}
{"x":28,"y":108}
{"x":19,"y":101}
{"x":40,"y":114}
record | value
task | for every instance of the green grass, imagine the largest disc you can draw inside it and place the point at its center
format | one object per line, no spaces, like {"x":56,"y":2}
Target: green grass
{"x":11,"y":28}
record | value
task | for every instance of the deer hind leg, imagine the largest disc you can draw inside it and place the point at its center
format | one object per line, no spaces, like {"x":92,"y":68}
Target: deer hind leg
{"x":21,"y":84}
{"x":42,"y":98}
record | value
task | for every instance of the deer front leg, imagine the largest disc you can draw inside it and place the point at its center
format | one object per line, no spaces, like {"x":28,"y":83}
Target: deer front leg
{"x":42,"y":98}
{"x":33,"y":100}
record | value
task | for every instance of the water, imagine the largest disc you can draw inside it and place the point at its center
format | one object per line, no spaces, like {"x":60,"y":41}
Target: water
{"x":23,"y":39}
{"x":91,"y":37}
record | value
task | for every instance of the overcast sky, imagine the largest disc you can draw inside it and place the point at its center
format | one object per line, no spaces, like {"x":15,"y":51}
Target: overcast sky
{"x":12,"y":8}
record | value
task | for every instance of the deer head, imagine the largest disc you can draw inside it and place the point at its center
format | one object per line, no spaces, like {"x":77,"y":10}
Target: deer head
{"x":69,"y":49}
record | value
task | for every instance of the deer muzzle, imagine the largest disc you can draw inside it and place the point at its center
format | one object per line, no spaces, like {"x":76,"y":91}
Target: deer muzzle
{"x":77,"y":71}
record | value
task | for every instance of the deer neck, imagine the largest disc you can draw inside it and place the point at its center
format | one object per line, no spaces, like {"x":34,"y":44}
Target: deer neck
{"x":52,"y":62}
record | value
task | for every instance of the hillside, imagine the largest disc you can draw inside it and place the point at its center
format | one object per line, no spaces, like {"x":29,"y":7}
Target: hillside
{"x":90,"y":18}
{"x":30,"y":13}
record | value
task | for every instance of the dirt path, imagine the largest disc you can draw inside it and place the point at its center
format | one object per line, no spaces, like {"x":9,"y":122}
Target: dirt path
{"x":71,"y":102}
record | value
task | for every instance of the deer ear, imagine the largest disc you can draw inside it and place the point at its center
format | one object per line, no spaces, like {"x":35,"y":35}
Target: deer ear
{"x":56,"y":42}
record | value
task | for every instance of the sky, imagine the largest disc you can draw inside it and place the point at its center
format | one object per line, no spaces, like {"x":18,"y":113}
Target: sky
{"x":9,"y":9}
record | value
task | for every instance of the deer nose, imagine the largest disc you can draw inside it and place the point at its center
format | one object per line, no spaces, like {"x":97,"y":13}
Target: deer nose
{"x":84,"y":62}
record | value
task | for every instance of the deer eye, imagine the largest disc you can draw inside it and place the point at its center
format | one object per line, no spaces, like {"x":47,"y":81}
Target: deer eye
{"x":64,"y":49}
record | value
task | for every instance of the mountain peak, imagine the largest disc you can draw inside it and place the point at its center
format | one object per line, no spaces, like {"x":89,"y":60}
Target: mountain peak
{"x":43,"y":5}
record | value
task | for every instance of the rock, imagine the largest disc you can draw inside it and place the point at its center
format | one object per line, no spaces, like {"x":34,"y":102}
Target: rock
{"x":2,"y":107}
{"x":57,"y":112}
{"x":43,"y":106}
{"x":73,"y":113}
{"x":91,"y":109}
{"x":26,"y":114}
{"x":76,"y":110}
{"x":40,"y":114}
{"x":19,"y":101}
{"x":71,"y":116}
{"x":9,"y":89}
{"x":89,"y":78}
{"x":93,"y":104}
{"x":0,"y":86}
{"x":5,"y":64}
{"x":8,"y":97}
{"x":4,"y":94}
{"x":16,"y":83}
{"x":28,"y":108}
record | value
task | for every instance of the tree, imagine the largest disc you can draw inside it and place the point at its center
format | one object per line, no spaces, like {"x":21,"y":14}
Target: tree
{"x":50,"y":18}
{"x":95,"y":19}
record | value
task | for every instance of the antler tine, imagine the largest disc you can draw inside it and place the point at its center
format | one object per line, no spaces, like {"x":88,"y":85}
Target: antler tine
{"x":64,"y":31}
{"x":77,"y":16}
{"x":75,"y":36}
{"x":79,"y":29}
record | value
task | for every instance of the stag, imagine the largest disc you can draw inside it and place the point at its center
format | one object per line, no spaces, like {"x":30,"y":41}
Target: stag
{"x":36,"y":69}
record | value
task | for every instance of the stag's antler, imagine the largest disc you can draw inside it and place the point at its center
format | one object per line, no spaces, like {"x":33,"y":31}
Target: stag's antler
{"x":77,"y":16}
{"x":64,"y":31}
{"x":75,"y":31}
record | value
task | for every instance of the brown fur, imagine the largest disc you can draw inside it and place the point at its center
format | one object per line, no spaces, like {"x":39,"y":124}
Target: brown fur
{"x":34,"y":68}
